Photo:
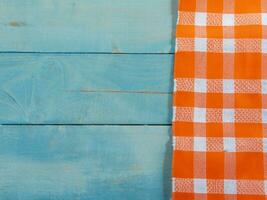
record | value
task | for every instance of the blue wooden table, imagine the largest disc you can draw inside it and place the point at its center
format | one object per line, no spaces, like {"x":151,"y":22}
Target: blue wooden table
{"x":86,"y":99}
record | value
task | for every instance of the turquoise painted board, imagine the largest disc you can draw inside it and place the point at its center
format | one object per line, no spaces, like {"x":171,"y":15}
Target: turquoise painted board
{"x":85,"y":99}
{"x":117,"y":26}
{"x":85,"y":162}
{"x":85,"y":89}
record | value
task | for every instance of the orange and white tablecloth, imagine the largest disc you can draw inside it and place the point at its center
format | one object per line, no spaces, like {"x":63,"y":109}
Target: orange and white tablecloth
{"x":220,"y":100}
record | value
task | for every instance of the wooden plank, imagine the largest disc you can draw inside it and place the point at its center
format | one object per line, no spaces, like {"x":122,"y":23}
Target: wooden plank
{"x":85,"y":162}
{"x":85,"y":89}
{"x":117,"y":26}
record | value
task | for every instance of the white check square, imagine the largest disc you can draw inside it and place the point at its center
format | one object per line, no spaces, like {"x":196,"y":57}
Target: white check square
{"x":230,"y":187}
{"x":229,"y":45}
{"x":229,"y":144}
{"x":228,"y":115}
{"x":264,"y":19}
{"x":200,"y":19}
{"x":200,"y":186}
{"x":228,"y":20}
{"x":264,"y":46}
{"x":201,"y":44}
{"x":200,"y":85}
{"x":178,"y":17}
{"x":200,"y":115}
{"x":228,"y":86}
{"x":264,"y":116}
{"x":264,"y":86}
{"x":265,"y":187}
{"x":264,"y":145}
{"x":177,"y":45}
{"x":200,"y":144}
{"x":174,"y":85}
{"x":173,"y":114}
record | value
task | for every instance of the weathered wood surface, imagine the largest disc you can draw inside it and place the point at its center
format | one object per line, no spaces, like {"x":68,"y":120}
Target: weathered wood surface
{"x":117,"y":26}
{"x":62,"y":79}
{"x":85,"y":89}
{"x":85,"y":162}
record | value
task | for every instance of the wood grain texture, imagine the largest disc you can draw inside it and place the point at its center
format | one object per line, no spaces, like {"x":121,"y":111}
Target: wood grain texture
{"x":59,"y":81}
{"x":85,"y":89}
{"x":85,"y":162}
{"x":117,"y":26}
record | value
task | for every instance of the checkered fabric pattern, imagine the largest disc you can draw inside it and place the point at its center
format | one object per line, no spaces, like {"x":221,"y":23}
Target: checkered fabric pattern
{"x":220,"y":100}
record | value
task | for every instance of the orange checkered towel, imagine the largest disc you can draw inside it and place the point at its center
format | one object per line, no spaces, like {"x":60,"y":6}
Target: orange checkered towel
{"x":220,"y":100}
